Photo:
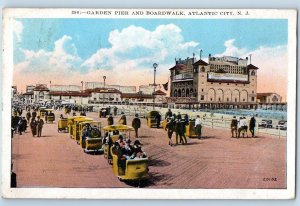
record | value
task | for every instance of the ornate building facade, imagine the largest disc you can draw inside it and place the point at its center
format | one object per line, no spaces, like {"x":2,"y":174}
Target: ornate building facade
{"x":223,"y":82}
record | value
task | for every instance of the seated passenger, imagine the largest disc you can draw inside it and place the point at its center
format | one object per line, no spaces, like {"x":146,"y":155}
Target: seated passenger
{"x":137,"y":150}
{"x":86,"y":131}
{"x":127,"y":150}
{"x":120,"y":141}
{"x":95,"y":132}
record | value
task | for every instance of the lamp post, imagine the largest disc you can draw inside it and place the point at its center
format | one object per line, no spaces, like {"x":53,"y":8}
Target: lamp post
{"x":154,"y":84}
{"x":81,"y":92}
{"x":104,"y":78}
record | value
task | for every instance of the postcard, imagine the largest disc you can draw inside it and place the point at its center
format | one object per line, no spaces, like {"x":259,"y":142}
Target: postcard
{"x":149,"y":103}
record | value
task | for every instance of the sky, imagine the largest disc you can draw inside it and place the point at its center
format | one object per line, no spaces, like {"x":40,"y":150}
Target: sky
{"x":68,"y":51}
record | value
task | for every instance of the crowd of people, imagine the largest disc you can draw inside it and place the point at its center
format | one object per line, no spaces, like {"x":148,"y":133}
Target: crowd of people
{"x":239,"y":128}
{"x":20,"y":123}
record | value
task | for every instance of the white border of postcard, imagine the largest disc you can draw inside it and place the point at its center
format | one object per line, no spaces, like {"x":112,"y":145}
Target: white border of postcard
{"x":122,"y":193}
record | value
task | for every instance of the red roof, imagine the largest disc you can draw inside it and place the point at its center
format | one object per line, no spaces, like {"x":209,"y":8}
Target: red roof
{"x":41,"y":87}
{"x":259,"y":95}
{"x":159,"y":92}
{"x":200,"y":62}
{"x":136,"y":95}
{"x":73,"y":94}
{"x":103,"y":90}
{"x":251,"y":66}
{"x":28,"y":93}
{"x":178,"y":67}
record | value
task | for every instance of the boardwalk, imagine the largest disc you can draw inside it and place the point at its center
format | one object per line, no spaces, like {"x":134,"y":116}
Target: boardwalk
{"x":217,"y":161}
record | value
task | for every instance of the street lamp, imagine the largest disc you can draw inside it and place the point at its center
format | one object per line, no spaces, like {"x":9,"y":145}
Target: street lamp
{"x":81,"y":92}
{"x":81,"y":86}
{"x":154,"y":84}
{"x":104,"y":78}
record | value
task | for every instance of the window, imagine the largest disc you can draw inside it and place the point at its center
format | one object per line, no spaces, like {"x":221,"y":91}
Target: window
{"x":252,"y":99}
{"x":252,"y":92}
{"x":235,"y":99}
{"x":227,"y":99}
{"x":227,"y":83}
{"x":201,"y":90}
{"x":210,"y":99}
{"x":243,"y":100}
{"x":253,"y":73}
{"x":202,"y":97}
{"x":219,"y":99}
{"x":202,"y":69}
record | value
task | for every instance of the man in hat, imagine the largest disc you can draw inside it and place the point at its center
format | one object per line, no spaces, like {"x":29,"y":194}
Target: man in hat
{"x":252,"y":125}
{"x":40,"y":124}
{"x":170,"y":127}
{"x":158,"y":120}
{"x":168,"y":114}
{"x":198,"y":127}
{"x":110,"y":120}
{"x":136,"y":124}
{"x":234,"y":127}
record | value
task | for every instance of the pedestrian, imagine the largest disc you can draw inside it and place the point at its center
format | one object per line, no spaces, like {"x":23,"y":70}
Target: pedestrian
{"x":240,"y":127}
{"x":110,"y":120}
{"x":186,"y":119}
{"x":20,"y":125}
{"x":115,"y":111}
{"x":252,"y":125}
{"x":179,"y":131}
{"x":24,"y":124}
{"x":198,"y":127}
{"x":178,"y":116}
{"x":245,"y":126}
{"x":33,"y":126}
{"x":40,"y":124}
{"x":33,"y":114}
{"x":136,"y":124}
{"x":122,"y":120}
{"x":234,"y":127}
{"x":28,"y":115}
{"x":168,"y":114}
{"x":158,"y":120}
{"x":170,"y":127}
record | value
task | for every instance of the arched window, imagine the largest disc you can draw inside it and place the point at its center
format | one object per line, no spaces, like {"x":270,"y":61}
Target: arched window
{"x":41,"y":95}
{"x":183,"y":93}
{"x":191,"y":93}
{"x":187,"y":93}
{"x":253,"y":73}
{"x":175,"y":93}
{"x":202,"y":69}
{"x":179,"y":93}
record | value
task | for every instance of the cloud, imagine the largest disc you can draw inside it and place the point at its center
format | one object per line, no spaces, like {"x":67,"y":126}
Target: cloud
{"x":18,"y":29}
{"x":142,"y":46}
{"x":62,"y":59}
{"x":272,"y":63}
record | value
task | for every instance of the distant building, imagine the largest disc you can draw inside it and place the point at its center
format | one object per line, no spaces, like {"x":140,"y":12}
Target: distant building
{"x":66,"y":88}
{"x":103,"y":95}
{"x":268,"y":98}
{"x":125,"y":89}
{"x":222,"y":82}
{"x":41,"y":93}
{"x":146,"y":89}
